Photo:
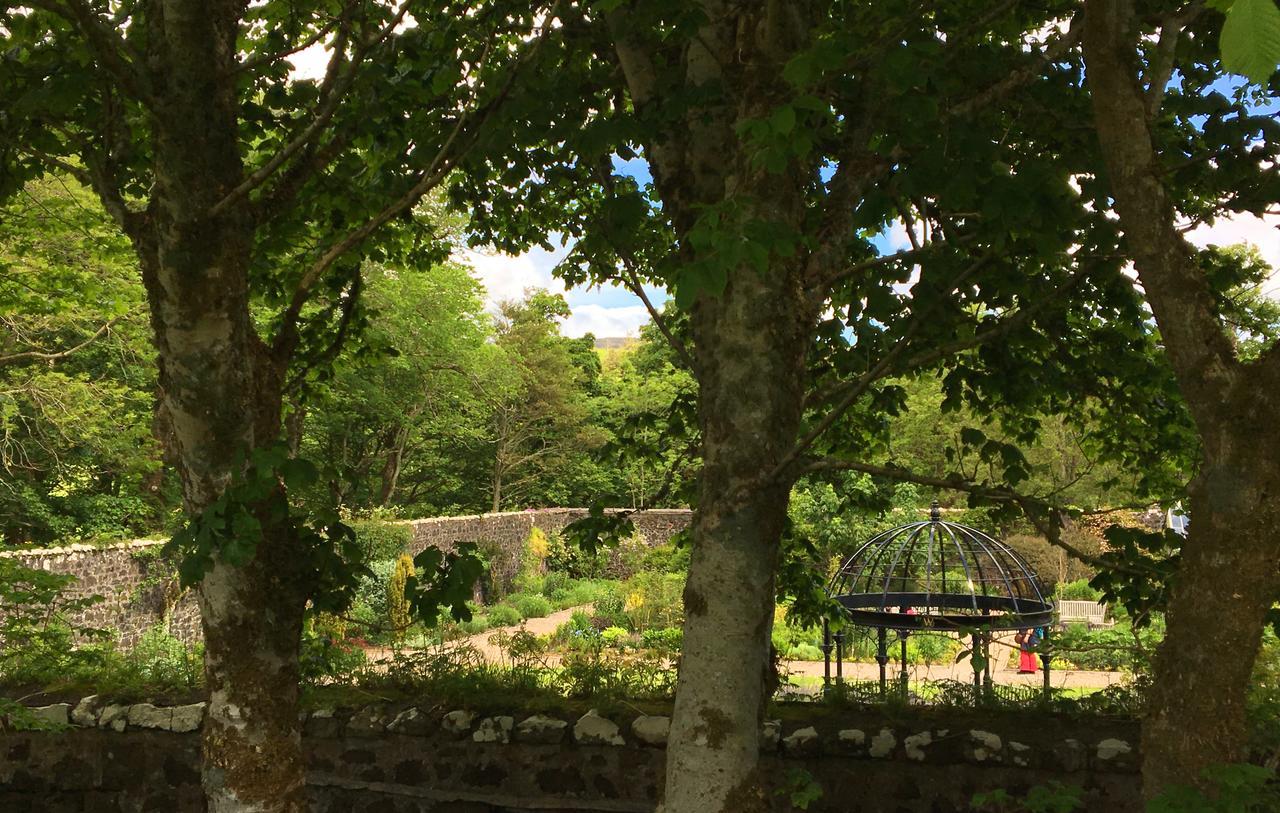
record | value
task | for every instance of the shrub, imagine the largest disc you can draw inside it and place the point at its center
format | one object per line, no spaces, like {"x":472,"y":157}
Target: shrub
{"x":397,"y":604}
{"x":555,"y":582}
{"x":577,"y":633}
{"x":371,"y":590}
{"x":610,"y":674}
{"x":1052,"y":564}
{"x":616,"y":637}
{"x":668,"y":639}
{"x":1078,"y":590}
{"x":666,"y":558}
{"x":580,"y":592}
{"x":477,"y":625}
{"x":1107,"y":649}
{"x":532,"y":565}
{"x":654,"y":600}
{"x":163,"y":661}
{"x":380,"y":540}
{"x":504,"y":615}
{"x":610,"y":611}
{"x":327,"y":654}
{"x":924,"y":648}
{"x":37,"y":644}
{"x":565,"y":557}
{"x":805,"y":652}
{"x":627,"y":558}
{"x":531,"y":606}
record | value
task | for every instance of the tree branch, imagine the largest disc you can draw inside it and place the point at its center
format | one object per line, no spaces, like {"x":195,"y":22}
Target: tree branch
{"x":440,"y":166}
{"x":333,"y":88}
{"x":631,"y":279}
{"x":864,"y":382}
{"x":905,"y":254}
{"x":1015,"y":79}
{"x":1035,"y":509}
{"x":267,"y":59}
{"x":1160,"y":69}
{"x":44,"y":355}
{"x":1201,"y":353}
{"x":106,"y":43}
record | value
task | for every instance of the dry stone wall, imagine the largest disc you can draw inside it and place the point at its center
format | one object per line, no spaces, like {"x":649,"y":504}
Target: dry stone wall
{"x":136,"y":587}
{"x":139,"y":591}
{"x":400,"y":757}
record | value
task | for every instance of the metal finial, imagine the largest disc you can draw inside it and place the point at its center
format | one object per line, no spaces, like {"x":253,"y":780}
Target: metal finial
{"x":935,"y":512}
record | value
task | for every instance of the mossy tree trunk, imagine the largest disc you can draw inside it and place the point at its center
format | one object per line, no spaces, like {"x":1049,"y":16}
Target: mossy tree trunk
{"x":221,"y":388}
{"x":1230,"y":571}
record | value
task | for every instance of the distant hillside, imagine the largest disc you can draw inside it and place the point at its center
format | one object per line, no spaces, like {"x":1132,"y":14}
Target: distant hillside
{"x":615,"y":342}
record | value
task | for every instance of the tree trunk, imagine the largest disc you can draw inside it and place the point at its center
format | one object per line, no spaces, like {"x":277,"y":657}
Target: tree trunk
{"x":747,"y":337}
{"x":749,"y":344}
{"x":391,"y":466}
{"x":1225,"y":585}
{"x":251,"y":750}
{"x":222,"y":395}
{"x":1230,"y":571}
{"x":496,"y":505}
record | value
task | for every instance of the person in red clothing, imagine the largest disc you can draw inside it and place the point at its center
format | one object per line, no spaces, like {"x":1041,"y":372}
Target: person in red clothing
{"x":1026,"y":656}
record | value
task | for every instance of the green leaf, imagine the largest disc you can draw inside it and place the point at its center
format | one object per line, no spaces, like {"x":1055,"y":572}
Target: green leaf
{"x":298,"y":473}
{"x":783,"y":120}
{"x":1251,"y":39}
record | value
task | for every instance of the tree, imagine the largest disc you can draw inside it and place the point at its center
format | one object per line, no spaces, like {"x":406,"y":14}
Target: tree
{"x":77,"y":374}
{"x":404,"y":404}
{"x":1229,"y":575}
{"x":252,"y":203}
{"x":782,"y":137}
{"x":539,"y":408}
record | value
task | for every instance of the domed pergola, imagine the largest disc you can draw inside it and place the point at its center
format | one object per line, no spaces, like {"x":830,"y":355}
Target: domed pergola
{"x":937,"y":576}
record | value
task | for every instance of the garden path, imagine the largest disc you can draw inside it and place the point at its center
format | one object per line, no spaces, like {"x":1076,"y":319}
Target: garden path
{"x":1001,"y":672}
{"x":1001,"y":656}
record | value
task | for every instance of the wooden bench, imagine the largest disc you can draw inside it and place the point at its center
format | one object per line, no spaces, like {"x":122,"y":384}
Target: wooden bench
{"x":1091,"y":613}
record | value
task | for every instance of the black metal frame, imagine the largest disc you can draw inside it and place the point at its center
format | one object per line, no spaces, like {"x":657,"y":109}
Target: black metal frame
{"x":1001,"y":592}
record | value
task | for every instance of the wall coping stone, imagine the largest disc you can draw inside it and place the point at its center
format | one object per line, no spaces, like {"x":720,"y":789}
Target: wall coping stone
{"x":135,"y":544}
{"x":1106,"y":751}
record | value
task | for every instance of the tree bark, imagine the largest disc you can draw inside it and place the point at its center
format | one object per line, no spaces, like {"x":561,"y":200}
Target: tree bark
{"x":754,"y":333}
{"x":1230,"y":571}
{"x":1217,"y":610}
{"x":750,"y":342}
{"x":222,"y":394}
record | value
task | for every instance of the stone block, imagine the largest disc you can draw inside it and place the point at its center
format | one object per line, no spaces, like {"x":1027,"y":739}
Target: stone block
{"x":541,"y":729}
{"x":803,"y":742}
{"x":458,"y":722}
{"x":58,"y":714}
{"x":592,"y":729}
{"x":187,"y":718}
{"x":86,"y":712}
{"x":146,"y":715}
{"x":494,"y":729}
{"x":411,"y":722}
{"x":652,"y":730}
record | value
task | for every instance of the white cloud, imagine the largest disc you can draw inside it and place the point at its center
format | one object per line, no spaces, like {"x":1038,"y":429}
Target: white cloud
{"x":602,"y":322}
{"x":507,"y":277}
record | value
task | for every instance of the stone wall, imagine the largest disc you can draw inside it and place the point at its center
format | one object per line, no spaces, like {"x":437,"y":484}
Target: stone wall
{"x":502,"y":535}
{"x":138,"y":590}
{"x":394,"y":757}
{"x":136,"y":587}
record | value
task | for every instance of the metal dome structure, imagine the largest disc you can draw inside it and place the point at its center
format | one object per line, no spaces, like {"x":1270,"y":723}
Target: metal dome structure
{"x":934,"y":576}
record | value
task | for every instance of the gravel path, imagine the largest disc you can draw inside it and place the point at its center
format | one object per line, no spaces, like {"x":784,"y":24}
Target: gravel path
{"x":1000,"y":658}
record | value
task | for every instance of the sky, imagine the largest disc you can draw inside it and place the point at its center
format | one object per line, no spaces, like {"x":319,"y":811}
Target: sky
{"x":612,"y":311}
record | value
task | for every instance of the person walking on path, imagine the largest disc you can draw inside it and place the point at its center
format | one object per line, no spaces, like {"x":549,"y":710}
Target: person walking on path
{"x":1026,"y":641}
